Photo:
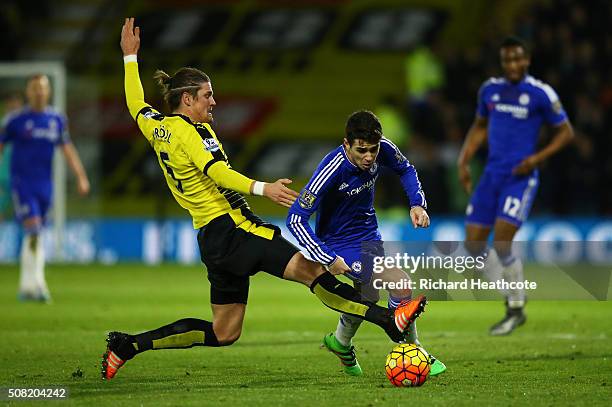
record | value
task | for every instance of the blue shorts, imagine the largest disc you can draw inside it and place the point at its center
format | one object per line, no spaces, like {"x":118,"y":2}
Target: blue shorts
{"x":361,"y":259}
{"x":31,"y":200}
{"x":504,"y":196}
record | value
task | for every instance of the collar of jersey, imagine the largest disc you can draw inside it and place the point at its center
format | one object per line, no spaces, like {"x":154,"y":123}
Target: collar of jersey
{"x":28,"y":109}
{"x":182,"y":116}
{"x":521,"y":82}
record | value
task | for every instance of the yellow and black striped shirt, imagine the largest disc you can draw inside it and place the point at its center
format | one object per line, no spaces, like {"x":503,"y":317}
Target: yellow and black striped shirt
{"x":194,"y":163}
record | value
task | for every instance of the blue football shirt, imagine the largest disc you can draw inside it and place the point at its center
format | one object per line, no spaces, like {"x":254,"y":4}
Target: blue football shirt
{"x":516,"y":112}
{"x":342,"y":196}
{"x":34,"y":136}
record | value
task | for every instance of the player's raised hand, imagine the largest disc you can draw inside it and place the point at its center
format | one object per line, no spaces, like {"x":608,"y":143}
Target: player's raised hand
{"x":279,"y":193}
{"x":419,"y":217}
{"x":526,"y":166}
{"x":130,"y":37}
{"x":465,"y":177}
{"x":339,"y":266}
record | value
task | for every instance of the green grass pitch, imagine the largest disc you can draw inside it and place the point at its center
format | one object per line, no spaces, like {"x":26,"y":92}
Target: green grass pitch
{"x":562,"y":356}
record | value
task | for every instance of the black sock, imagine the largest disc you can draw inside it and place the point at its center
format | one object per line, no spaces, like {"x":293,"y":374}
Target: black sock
{"x":343,"y":298}
{"x":183,"y":333}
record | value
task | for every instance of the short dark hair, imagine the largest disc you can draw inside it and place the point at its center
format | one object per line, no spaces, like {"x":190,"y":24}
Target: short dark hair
{"x":513,"y":41}
{"x":363,"y":125}
{"x":37,"y":75}
{"x":184,"y":80}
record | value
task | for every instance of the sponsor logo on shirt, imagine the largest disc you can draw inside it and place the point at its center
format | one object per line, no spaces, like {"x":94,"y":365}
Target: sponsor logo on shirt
{"x":369,"y":184}
{"x":50,"y":133}
{"x":518,"y":112}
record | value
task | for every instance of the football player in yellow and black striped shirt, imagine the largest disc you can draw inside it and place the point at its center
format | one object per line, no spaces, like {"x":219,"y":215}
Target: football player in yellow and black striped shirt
{"x":234,"y":243}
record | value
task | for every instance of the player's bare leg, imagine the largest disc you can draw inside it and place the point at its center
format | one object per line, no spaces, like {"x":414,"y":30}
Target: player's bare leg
{"x":227,"y":322}
{"x":476,"y":244}
{"x":504,"y":233}
{"x":476,"y":237}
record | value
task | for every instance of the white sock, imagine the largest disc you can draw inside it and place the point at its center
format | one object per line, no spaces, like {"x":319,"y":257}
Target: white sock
{"x":514,"y":272}
{"x":39,"y":261}
{"x":27,"y":277}
{"x":347,"y":328}
{"x":493,"y":269}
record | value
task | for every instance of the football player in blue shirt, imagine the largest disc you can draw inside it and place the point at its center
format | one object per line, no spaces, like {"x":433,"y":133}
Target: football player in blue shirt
{"x":511,"y":110}
{"x":34,"y":132}
{"x":341,"y":192}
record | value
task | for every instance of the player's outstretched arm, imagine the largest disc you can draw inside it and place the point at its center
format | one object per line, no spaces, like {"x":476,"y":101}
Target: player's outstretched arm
{"x":564,"y":133}
{"x":277,"y":192}
{"x":75,"y":164}
{"x":130,"y":44}
{"x":228,"y":178}
{"x":474,"y":139}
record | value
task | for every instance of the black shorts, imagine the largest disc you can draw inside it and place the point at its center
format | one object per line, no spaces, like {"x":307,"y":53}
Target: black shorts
{"x":232,"y":255}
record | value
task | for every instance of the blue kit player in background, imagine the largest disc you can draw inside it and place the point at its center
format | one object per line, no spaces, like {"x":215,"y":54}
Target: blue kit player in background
{"x":341,"y":192}
{"x":35,"y":131}
{"x":511,"y":110}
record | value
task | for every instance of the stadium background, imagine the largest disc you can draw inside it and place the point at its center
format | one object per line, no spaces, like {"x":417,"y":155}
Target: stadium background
{"x":286,"y":75}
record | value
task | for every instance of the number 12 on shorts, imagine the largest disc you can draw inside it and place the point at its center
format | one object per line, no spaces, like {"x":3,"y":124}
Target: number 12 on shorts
{"x":512,"y":206}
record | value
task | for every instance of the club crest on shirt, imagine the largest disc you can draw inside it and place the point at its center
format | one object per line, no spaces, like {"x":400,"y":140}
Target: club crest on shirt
{"x":210,"y":144}
{"x":356,"y":267}
{"x":524,"y":99}
{"x":307,"y":199}
{"x":373,"y":168}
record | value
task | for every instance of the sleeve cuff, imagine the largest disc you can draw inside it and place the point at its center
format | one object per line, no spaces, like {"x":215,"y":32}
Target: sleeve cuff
{"x":130,"y":58}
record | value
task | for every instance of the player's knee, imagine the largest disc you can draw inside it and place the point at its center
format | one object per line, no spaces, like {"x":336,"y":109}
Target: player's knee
{"x":228,"y":338}
{"x":302,"y":270}
{"x":311,"y":270}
